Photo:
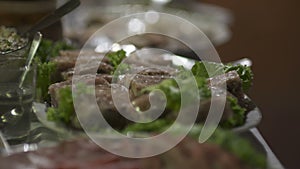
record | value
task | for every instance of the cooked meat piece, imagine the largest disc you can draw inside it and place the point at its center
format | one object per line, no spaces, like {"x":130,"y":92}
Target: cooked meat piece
{"x":234,"y":86}
{"x":148,"y":61}
{"x":102,"y":68}
{"x":67,"y":75}
{"x":155,"y":72}
{"x":68,"y":59}
{"x":83,"y":154}
{"x":53,"y":91}
{"x":104,"y":99}
{"x":139,"y":82}
{"x":79,"y":154}
{"x":108,"y":108}
{"x":64,"y":63}
{"x":89,"y":79}
{"x":107,"y":77}
{"x":232,"y":80}
{"x":75,"y":54}
{"x":142,"y":102}
{"x":189,"y":154}
{"x":205,"y":107}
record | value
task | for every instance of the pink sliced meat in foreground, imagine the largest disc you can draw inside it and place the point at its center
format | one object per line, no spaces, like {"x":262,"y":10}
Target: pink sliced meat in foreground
{"x":84,"y":154}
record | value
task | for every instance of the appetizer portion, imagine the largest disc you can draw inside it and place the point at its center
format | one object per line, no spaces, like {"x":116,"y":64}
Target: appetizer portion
{"x":57,"y":68}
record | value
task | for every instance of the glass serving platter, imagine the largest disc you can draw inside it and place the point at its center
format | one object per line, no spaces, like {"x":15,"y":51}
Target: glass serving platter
{"x":45,"y":134}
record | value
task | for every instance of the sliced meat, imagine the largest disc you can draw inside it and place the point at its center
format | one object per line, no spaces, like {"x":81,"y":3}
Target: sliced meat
{"x":104,"y":99}
{"x":142,"y":81}
{"x":75,"y":54}
{"x":155,"y":71}
{"x":88,"y":79}
{"x":68,"y":59}
{"x":190,"y":154}
{"x":205,"y":107}
{"x":83,"y":154}
{"x":67,"y":75}
{"x":143,"y":104}
{"x":234,"y":86}
{"x":53,"y":91}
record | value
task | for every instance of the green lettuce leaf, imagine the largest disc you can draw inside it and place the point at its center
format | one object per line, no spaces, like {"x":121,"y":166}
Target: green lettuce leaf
{"x":115,"y":58}
{"x":65,"y":110}
{"x":45,"y":68}
{"x":238,"y":117}
{"x":245,"y":72}
{"x":43,"y":81}
{"x":173,"y":93}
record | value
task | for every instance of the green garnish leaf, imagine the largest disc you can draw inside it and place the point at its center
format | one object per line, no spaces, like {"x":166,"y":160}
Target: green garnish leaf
{"x":173,"y":93}
{"x":49,"y":49}
{"x":65,"y":110}
{"x":245,"y":72}
{"x":238,"y":117}
{"x":116,"y":58}
{"x":44,"y":73}
{"x":121,"y":69}
{"x":45,"y":68}
{"x":201,"y":69}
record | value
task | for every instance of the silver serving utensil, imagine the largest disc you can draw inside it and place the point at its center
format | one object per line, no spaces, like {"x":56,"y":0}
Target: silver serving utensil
{"x":33,"y":48}
{"x":53,"y":17}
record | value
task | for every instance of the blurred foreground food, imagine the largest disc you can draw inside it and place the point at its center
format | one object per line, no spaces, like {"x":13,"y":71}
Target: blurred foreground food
{"x":83,"y":154}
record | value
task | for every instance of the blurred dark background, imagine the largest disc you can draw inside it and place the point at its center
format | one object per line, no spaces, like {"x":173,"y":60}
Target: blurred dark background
{"x":268,"y":32}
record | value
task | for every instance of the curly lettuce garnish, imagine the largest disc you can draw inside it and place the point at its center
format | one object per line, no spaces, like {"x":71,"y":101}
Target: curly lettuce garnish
{"x":121,"y":69}
{"x":49,"y":49}
{"x":238,"y":116}
{"x":201,"y":69}
{"x":173,"y":93}
{"x":65,"y":110}
{"x":43,"y":81}
{"x":115,"y":58}
{"x":45,"y":68}
{"x":244,"y":72}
